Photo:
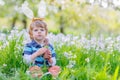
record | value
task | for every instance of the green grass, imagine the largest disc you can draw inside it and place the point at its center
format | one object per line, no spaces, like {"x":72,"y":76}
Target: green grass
{"x":100,"y":66}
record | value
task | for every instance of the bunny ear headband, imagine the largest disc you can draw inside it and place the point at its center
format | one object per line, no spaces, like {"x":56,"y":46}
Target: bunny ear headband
{"x":29,"y":13}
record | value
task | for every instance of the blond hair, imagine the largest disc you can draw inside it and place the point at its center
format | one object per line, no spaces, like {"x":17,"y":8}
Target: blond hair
{"x":37,"y":22}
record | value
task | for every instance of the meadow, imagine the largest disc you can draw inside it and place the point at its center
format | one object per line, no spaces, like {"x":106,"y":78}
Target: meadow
{"x":88,"y":49}
{"x":80,"y":57}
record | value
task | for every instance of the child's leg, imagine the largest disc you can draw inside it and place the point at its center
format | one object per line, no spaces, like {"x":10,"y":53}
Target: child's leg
{"x":54,"y":70}
{"x":35,"y":71}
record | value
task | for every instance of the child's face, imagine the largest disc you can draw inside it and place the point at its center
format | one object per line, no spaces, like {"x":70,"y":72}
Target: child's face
{"x":39,"y":33}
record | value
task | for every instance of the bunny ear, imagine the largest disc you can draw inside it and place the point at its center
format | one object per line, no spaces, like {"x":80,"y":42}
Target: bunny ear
{"x":26,"y":10}
{"x":42,"y":9}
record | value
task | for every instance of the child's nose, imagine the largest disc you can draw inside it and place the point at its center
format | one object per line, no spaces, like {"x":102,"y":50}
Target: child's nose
{"x":39,"y":31}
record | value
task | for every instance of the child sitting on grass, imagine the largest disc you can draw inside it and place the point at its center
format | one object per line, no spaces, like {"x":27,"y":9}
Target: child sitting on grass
{"x":39,"y":51}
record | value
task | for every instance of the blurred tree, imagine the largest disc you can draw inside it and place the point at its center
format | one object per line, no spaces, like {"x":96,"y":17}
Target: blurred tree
{"x":10,"y":12}
{"x":66,"y":12}
{"x":81,"y":16}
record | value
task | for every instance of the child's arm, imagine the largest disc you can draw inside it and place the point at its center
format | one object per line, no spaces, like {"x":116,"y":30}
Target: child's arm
{"x":47,"y":55}
{"x":50,"y":56}
{"x":38,"y":53}
{"x":29,"y":56}
{"x":52,"y":61}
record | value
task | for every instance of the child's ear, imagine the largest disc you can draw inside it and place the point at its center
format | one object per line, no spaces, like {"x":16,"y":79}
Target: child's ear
{"x":46,"y":33}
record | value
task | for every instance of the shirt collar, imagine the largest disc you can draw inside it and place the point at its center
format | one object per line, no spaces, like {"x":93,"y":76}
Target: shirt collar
{"x":35,"y":44}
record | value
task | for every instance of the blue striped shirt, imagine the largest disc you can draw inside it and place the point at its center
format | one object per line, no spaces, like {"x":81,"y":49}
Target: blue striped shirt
{"x":32,"y":47}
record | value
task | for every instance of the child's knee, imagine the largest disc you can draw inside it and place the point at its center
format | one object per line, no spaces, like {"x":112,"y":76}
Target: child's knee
{"x":35,"y":71}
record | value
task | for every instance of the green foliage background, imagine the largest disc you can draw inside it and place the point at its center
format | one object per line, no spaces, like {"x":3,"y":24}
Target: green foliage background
{"x":76,"y":17}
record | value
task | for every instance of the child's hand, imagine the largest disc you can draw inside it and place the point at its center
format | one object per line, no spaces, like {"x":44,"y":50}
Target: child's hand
{"x":50,"y":60}
{"x":39,"y":52}
{"x":46,"y":42}
{"x":47,"y":55}
{"x":42,"y":51}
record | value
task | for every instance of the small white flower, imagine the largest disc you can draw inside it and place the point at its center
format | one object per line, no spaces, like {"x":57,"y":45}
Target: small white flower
{"x":87,"y":60}
{"x":72,"y":43}
{"x":28,"y":72}
{"x":74,"y":56}
{"x":4,"y":65}
{"x":67,"y":55}
{"x":71,"y":64}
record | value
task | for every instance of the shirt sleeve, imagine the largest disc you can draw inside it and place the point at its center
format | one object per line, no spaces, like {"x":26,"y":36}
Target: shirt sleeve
{"x":27,"y":54}
{"x":54,"y":62}
{"x":52,"y":51}
{"x":53,"y":55}
{"x":27,"y":49}
{"x":27,"y":59}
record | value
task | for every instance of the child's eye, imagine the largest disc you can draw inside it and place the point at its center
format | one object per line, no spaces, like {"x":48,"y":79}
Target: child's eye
{"x":35,"y":30}
{"x":41,"y":29}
